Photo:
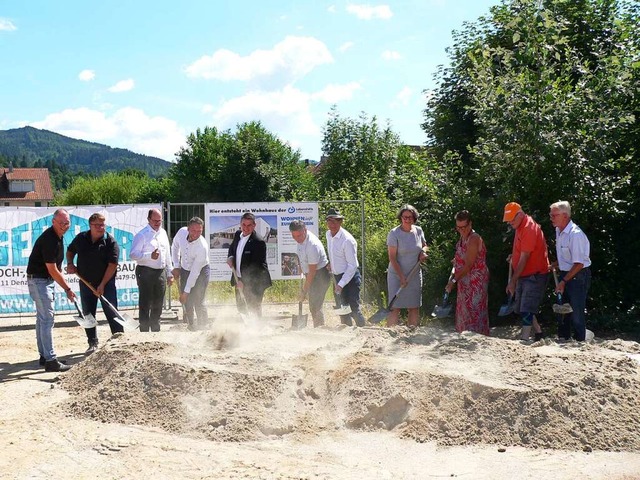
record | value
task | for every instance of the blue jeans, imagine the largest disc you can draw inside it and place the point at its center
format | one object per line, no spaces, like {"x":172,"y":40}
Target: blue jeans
{"x":351,"y":295}
{"x":41,"y":291}
{"x":575,"y":292}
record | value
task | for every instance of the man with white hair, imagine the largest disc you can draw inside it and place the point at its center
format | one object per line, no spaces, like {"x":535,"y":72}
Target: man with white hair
{"x":572,"y":249}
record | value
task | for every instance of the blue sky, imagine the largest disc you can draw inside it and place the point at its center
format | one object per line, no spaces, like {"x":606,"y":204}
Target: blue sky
{"x":142,"y":74}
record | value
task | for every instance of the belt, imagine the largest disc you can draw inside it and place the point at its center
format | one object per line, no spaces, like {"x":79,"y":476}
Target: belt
{"x":42,"y":277}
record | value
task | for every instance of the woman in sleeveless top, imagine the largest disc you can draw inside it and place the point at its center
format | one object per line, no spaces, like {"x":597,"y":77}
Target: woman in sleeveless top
{"x":471,"y":277}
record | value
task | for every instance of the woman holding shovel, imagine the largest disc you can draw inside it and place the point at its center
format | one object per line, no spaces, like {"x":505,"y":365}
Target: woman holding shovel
{"x":471,"y":276}
{"x":405,"y":245}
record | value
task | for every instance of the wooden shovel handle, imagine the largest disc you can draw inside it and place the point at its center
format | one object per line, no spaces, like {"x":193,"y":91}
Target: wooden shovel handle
{"x":95,"y":292}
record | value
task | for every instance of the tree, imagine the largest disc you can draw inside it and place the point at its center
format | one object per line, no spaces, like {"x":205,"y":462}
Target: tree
{"x":553,"y":90}
{"x":108,"y":189}
{"x":250,"y":164}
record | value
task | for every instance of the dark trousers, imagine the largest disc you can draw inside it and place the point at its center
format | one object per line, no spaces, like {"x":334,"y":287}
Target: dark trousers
{"x":575,"y":292}
{"x":90,"y":305}
{"x":152,"y":283}
{"x":195,"y":301}
{"x":351,"y":295}
{"x":253,"y":299}
{"x":317,"y":292}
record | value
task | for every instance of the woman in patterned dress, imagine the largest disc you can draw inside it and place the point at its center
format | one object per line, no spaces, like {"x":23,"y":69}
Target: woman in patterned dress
{"x":471,"y":276}
{"x":406,"y":246}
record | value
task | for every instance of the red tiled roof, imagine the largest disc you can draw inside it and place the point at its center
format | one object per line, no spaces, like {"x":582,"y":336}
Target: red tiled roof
{"x":42,"y":184}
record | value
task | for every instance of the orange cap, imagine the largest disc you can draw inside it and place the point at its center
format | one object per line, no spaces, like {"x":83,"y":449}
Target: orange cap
{"x":511,"y":209}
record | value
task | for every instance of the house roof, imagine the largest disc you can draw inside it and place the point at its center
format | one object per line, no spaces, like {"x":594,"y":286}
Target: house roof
{"x":42,"y":184}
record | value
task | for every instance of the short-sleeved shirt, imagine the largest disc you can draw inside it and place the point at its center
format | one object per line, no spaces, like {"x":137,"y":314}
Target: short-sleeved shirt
{"x":530,"y":238}
{"x":572,"y":246}
{"x":311,"y":251}
{"x":94,"y":257}
{"x":49,"y":248}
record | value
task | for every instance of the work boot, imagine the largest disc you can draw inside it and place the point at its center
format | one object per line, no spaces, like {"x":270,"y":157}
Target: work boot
{"x":55,"y":366}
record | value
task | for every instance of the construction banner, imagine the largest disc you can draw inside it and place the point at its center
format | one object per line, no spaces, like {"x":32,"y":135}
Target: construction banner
{"x":272,"y":224}
{"x":20,"y":227}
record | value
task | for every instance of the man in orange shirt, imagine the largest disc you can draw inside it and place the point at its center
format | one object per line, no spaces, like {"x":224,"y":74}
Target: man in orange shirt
{"x":530,"y":263}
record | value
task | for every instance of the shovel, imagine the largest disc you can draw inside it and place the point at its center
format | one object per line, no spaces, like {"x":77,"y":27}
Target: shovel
{"x":243,"y":316}
{"x":340,"y":308}
{"x":299,"y":321}
{"x":125,"y":320}
{"x":507,"y":308}
{"x":444,"y":310}
{"x":382,"y":313}
{"x":85,"y":321}
{"x":559,"y":307}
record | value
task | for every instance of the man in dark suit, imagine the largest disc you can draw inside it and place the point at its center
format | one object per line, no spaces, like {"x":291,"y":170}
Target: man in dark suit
{"x":248,"y":258}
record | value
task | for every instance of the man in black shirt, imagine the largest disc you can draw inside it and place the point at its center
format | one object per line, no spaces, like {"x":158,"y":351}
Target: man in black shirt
{"x":43,"y":270}
{"x":97,"y":253}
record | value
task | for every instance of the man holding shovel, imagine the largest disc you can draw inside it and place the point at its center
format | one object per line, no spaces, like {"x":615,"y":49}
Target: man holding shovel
{"x":572,"y":250}
{"x":313,"y":261}
{"x":98,"y":254}
{"x":343,"y":259}
{"x":191,"y":260}
{"x":247,"y":257}
{"x":43,"y":270}
{"x":530,"y":263}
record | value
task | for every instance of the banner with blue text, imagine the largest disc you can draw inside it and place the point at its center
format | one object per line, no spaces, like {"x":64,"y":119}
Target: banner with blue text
{"x":21,"y":226}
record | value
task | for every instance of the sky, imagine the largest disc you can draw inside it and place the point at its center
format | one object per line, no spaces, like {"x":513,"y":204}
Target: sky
{"x":143,"y":75}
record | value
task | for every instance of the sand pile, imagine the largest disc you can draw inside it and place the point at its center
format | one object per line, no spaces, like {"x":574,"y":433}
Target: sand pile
{"x":427,"y":385}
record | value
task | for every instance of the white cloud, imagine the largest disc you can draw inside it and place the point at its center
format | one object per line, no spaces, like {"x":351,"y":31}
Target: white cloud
{"x":128,"y":127}
{"x":368,"y":12}
{"x":403,"y":96}
{"x":345,"y":46}
{"x":331,"y":9}
{"x":87,"y":75}
{"x":336,"y":93}
{"x":391,"y":55}
{"x":292,"y":58}
{"x":286,"y":112}
{"x":207,"y":108}
{"x":122,"y":86}
{"x":7,"y":25}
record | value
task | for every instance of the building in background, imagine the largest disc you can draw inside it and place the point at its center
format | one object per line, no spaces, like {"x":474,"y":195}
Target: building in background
{"x":25,"y":187}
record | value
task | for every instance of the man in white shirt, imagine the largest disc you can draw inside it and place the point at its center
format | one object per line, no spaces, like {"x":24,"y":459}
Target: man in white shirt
{"x":572,"y":250}
{"x":190,"y":255}
{"x":150,"y":249}
{"x":313,"y":261}
{"x":343,"y":261}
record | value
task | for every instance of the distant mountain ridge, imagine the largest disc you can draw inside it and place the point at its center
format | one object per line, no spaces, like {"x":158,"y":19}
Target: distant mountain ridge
{"x":29,"y":146}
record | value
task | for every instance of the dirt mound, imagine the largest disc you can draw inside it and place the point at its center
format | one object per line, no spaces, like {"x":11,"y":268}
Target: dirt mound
{"x":431,"y":384}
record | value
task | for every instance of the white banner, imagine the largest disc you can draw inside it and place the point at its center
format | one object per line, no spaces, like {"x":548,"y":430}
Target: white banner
{"x":21,"y":226}
{"x":272,"y":224}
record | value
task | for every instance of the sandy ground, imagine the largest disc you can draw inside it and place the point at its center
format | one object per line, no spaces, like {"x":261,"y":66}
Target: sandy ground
{"x":262,"y":401}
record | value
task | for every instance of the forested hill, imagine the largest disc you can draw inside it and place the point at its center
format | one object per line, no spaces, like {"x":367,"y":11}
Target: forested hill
{"x":31,"y":147}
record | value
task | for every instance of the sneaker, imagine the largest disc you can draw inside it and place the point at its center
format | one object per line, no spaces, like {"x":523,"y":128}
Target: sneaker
{"x":42,"y":361}
{"x":92,"y":348}
{"x":55,"y":366}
